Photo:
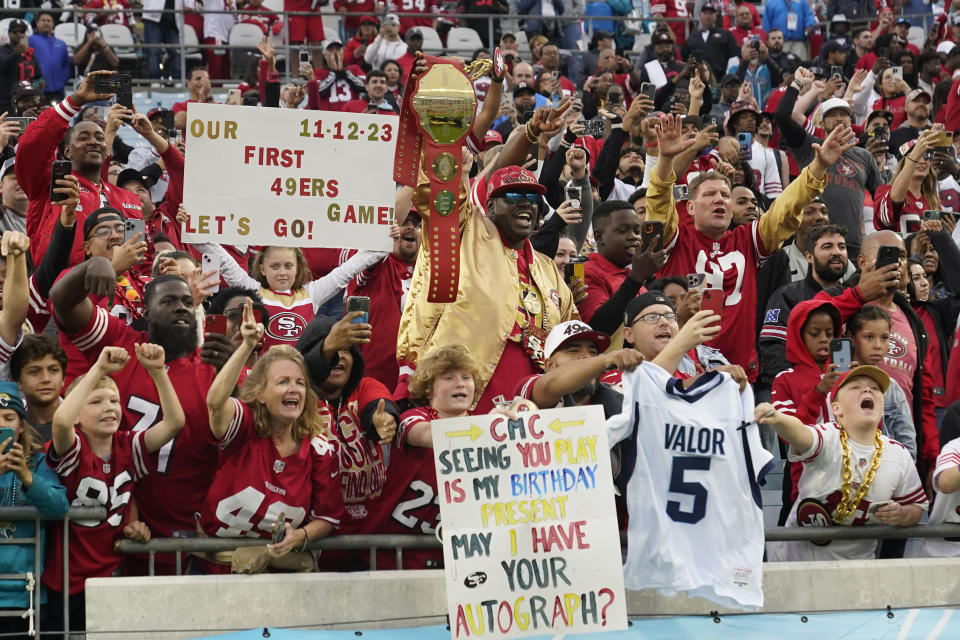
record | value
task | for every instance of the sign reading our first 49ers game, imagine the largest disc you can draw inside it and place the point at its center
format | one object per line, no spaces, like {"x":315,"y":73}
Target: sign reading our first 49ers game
{"x":289,"y":177}
{"x":530,"y":539}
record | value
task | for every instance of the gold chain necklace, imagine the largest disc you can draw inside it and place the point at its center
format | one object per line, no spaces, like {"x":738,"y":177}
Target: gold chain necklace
{"x":848,"y":505}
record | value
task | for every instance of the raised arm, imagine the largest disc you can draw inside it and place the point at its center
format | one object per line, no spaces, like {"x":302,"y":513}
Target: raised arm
{"x":111,"y":360}
{"x":701,"y":328}
{"x":796,"y":434}
{"x":322,"y":289}
{"x":16,"y":289}
{"x":70,"y":295}
{"x":549,"y":389}
{"x":151,"y":357}
{"x":219,"y":407}
{"x":233,"y":274}
{"x":660,"y":204}
{"x":784,"y":216}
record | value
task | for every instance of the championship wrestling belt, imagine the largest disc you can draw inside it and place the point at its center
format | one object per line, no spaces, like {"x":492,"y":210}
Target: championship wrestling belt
{"x":435,"y":119}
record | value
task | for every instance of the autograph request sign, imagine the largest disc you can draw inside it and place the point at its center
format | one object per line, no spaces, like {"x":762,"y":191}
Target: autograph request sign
{"x":275,"y":177}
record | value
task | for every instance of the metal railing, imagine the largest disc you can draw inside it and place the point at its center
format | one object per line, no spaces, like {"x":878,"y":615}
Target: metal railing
{"x":371,"y":543}
{"x":20,"y":514}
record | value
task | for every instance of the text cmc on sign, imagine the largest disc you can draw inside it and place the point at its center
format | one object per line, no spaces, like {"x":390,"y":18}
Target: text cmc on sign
{"x":289,"y":177}
{"x":530,"y":539}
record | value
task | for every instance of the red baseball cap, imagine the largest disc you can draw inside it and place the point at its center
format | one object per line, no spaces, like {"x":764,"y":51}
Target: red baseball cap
{"x":491,"y":138}
{"x":514,"y":179}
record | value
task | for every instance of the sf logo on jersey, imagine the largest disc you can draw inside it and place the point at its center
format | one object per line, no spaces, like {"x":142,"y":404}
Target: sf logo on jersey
{"x":286,"y":326}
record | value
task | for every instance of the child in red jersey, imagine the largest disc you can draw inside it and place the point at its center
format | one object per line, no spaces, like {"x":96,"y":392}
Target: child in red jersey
{"x":98,"y":466}
{"x":443,"y":385}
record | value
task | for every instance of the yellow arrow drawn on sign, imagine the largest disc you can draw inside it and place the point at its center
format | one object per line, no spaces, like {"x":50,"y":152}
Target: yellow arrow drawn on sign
{"x":559,"y":425}
{"x":473,"y":432}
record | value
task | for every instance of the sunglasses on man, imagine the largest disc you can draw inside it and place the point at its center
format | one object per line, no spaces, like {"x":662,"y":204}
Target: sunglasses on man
{"x":517,"y":198}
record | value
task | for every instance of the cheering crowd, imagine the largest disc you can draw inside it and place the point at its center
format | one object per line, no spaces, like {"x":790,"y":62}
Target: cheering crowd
{"x":723,"y":199}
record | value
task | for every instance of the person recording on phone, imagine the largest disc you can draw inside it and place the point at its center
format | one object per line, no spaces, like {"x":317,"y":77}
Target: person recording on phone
{"x":914,"y":187}
{"x":85,"y":149}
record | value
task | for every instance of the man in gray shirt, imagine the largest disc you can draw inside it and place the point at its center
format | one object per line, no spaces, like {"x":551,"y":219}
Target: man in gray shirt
{"x":13,"y":214}
{"x":847,"y":179}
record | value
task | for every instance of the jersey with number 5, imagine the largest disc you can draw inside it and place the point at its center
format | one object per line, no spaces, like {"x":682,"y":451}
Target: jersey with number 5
{"x":255,"y":484}
{"x":693,"y":495}
{"x":409,"y":503}
{"x":91,"y":481}
{"x":730,"y":264}
{"x":185,"y":465}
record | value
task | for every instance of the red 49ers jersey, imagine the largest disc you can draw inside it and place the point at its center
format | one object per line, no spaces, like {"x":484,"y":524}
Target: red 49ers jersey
{"x":672,"y":9}
{"x":362,"y":468}
{"x":185,"y":465}
{"x":91,"y":481}
{"x":334,"y":92}
{"x":409,"y":503}
{"x":414,"y":6}
{"x":290,"y":313}
{"x":731,"y":265}
{"x":255,"y":485}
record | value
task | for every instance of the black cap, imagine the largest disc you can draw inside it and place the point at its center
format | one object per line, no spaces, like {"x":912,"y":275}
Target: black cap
{"x":730,"y":79}
{"x":17,"y":25}
{"x":661,"y":37}
{"x":636,"y":306}
{"x":132,"y":175}
{"x":523,"y":86}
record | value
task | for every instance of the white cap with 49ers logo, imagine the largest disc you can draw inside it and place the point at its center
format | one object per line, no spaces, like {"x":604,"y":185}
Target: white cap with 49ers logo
{"x":573,"y":330}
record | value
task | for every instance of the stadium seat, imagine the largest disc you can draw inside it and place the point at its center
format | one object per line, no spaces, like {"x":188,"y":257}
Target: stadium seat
{"x":917,"y":37}
{"x":73,"y":33}
{"x":331,"y":26}
{"x":431,"y":39}
{"x":120,"y":39}
{"x":523,"y":45}
{"x":191,"y":44}
{"x":463,"y":39}
{"x":245,"y":37}
{"x":5,"y":27}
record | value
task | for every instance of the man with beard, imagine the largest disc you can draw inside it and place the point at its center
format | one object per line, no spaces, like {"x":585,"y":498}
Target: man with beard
{"x":783,"y":59}
{"x":665,"y":65}
{"x":168,"y":499}
{"x":86,"y":150}
{"x":847,"y":178}
{"x":387,"y":284}
{"x":826,"y":254}
{"x":729,"y":90}
{"x":525,"y":101}
{"x":917,"y":110}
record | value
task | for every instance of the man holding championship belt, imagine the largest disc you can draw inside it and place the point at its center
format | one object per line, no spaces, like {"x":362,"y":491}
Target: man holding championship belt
{"x":478,"y":281}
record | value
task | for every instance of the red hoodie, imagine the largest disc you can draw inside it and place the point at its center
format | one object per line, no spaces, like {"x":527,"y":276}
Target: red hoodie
{"x":794,"y":391}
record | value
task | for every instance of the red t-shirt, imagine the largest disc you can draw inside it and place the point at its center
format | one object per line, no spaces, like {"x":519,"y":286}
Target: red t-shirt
{"x":95,"y":482}
{"x":603,"y":278}
{"x":901,"y":359}
{"x":934,"y":358}
{"x":186,"y":465}
{"x":950,"y":114}
{"x":255,"y":484}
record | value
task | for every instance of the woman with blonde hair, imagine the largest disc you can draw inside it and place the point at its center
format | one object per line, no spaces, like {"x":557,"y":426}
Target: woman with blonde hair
{"x":279,"y":474}
{"x":914,"y":187}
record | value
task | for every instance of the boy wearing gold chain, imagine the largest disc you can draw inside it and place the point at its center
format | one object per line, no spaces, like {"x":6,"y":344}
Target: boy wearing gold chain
{"x":852,"y":473}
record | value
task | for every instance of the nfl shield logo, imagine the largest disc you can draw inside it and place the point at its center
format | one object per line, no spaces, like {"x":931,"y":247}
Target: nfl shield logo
{"x":773,"y":315}
{"x":278,"y":466}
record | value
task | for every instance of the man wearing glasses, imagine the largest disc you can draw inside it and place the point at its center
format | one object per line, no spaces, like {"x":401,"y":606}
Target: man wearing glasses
{"x":509,"y":296}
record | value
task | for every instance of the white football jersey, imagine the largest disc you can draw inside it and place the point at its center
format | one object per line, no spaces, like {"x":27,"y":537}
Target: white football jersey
{"x":696,"y":523}
{"x":896,"y":480}
{"x":946,"y":508}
